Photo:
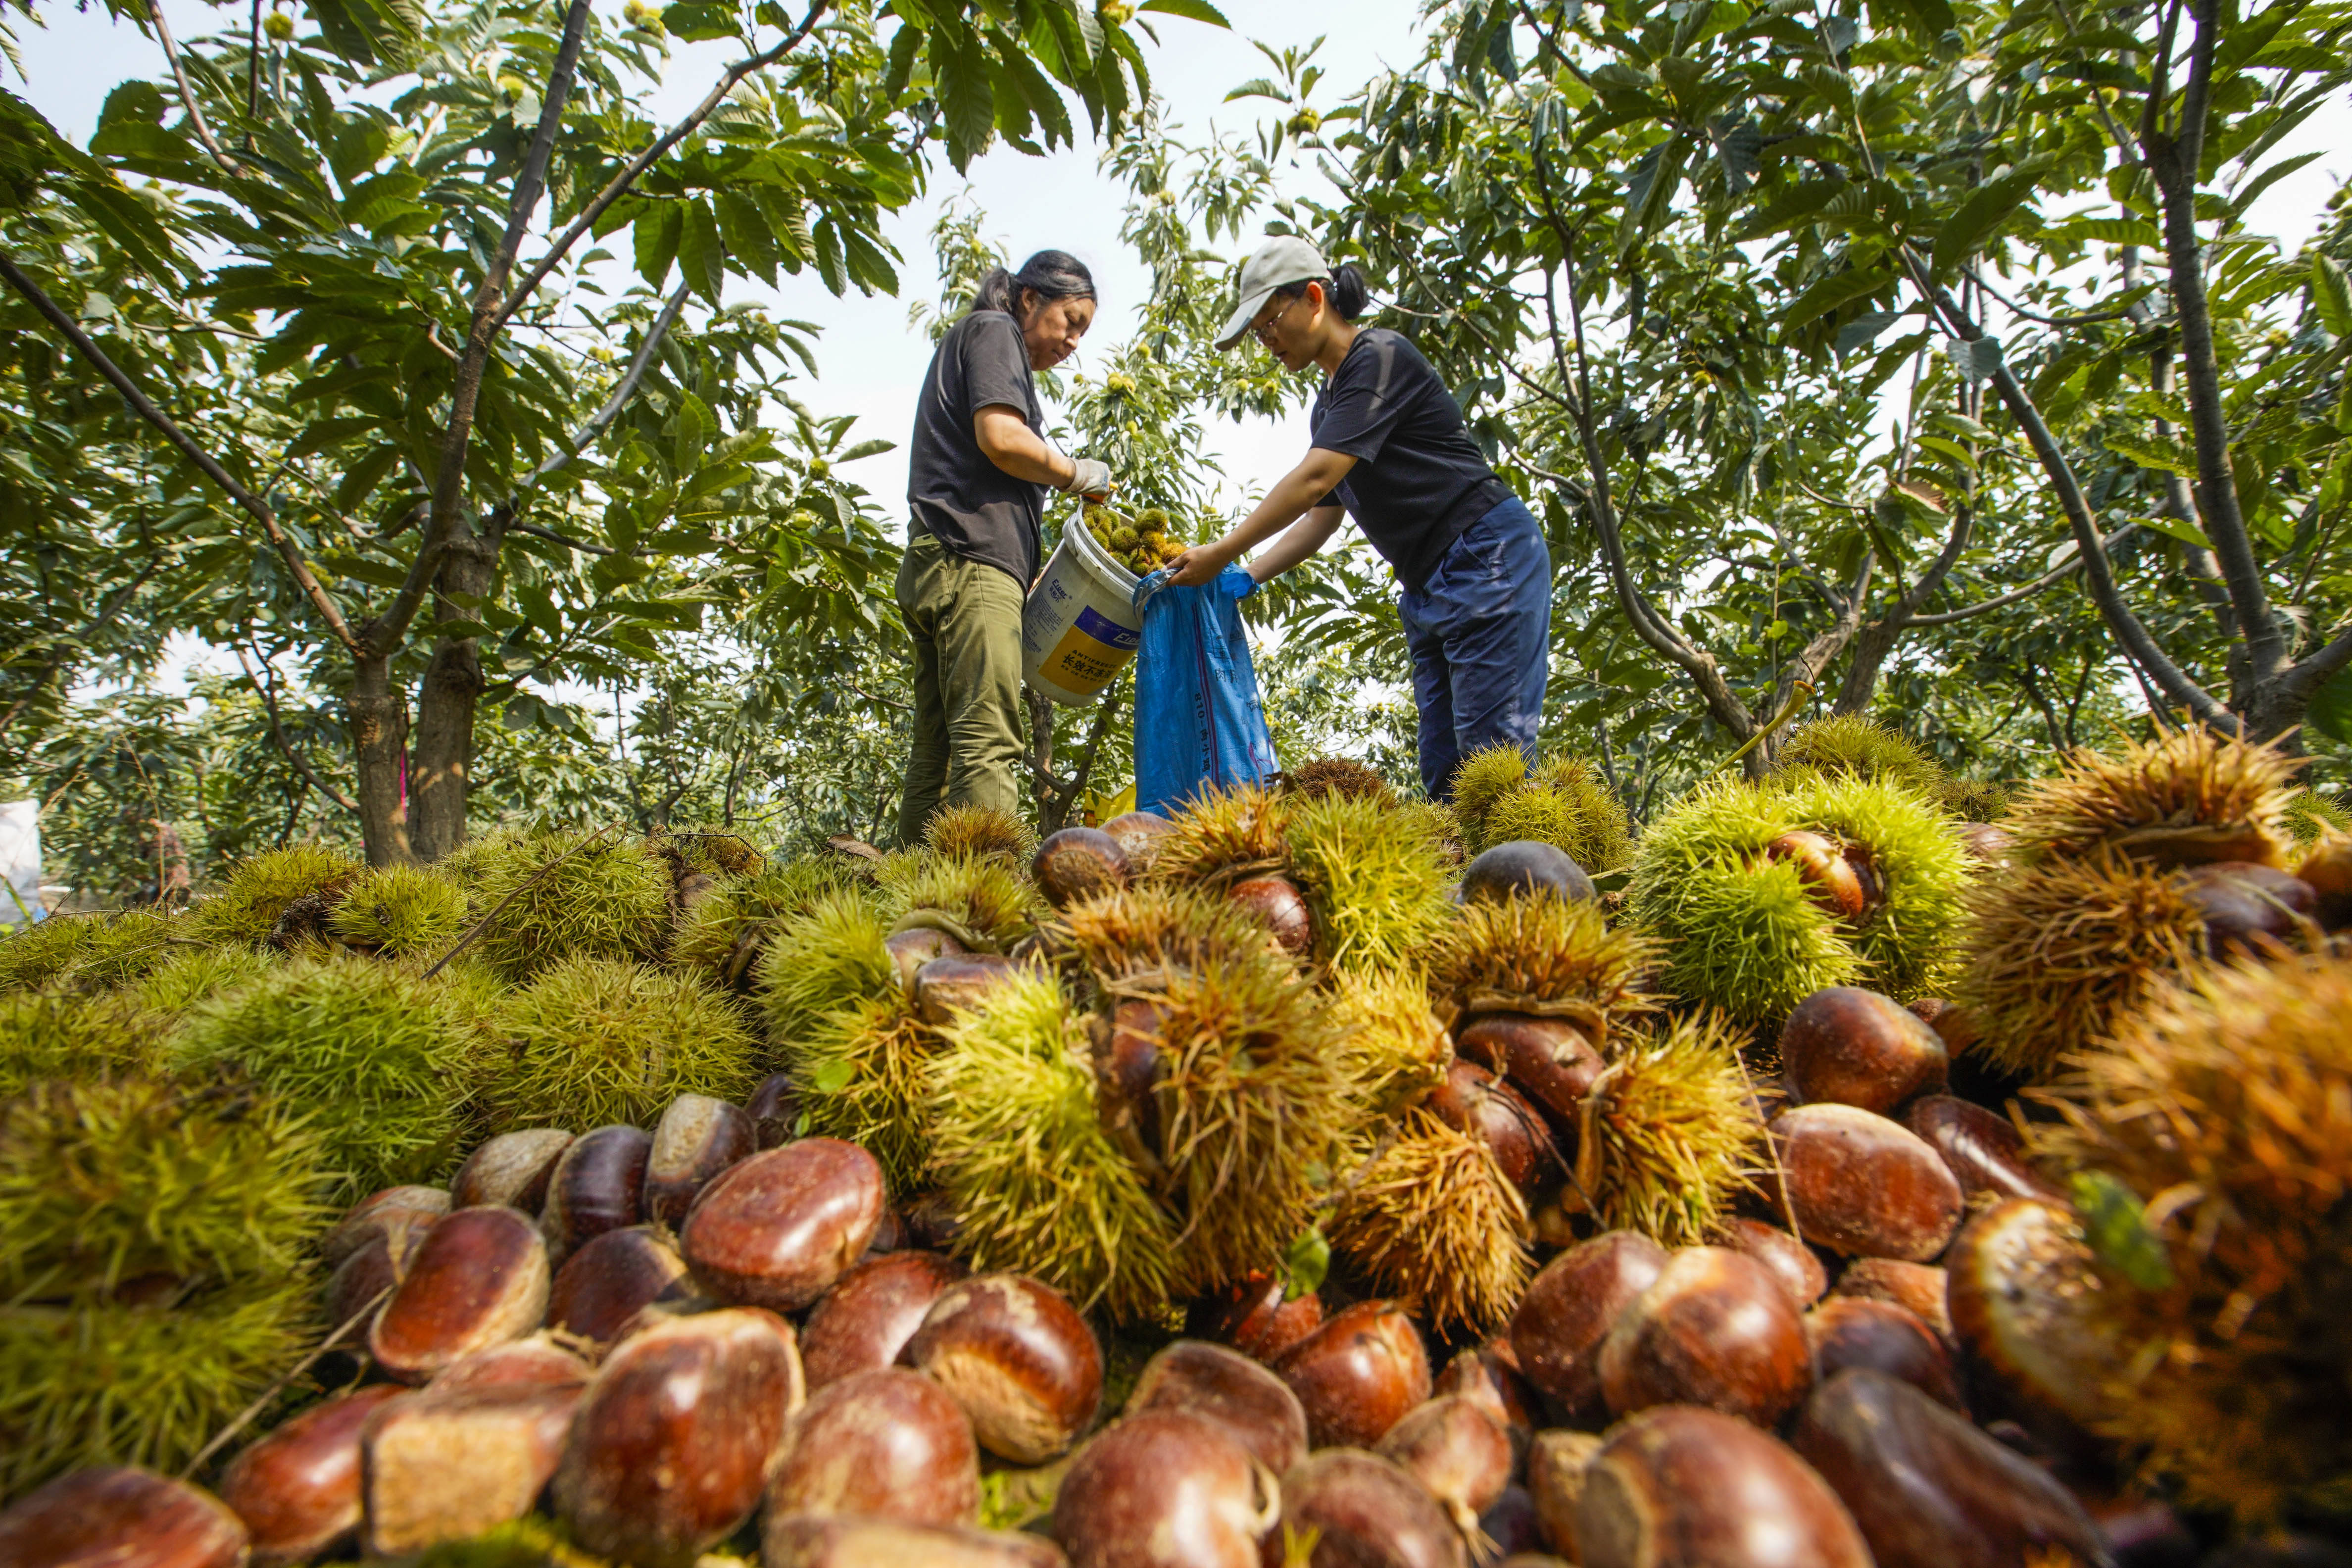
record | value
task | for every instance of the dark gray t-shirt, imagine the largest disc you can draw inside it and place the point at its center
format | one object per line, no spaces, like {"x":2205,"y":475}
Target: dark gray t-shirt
{"x":974,"y":509}
{"x":1419,"y":479}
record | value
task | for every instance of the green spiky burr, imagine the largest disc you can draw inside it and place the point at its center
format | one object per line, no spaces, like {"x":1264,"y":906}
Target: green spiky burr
{"x":971,"y":832}
{"x":1392,"y":1049}
{"x":2185,"y":798}
{"x":1547,"y":956}
{"x":985,"y":902}
{"x":128,"y":946}
{"x":401,"y":910}
{"x":1337,"y":775}
{"x":861,"y":1072}
{"x":1483,"y":778}
{"x":1224,"y":835}
{"x":1672,"y":1134}
{"x":593,"y":1041}
{"x":1433,"y":1221}
{"x":721,"y":937}
{"x":1373,"y":881}
{"x":60,"y":1035}
{"x":184,"y":979}
{"x":830,"y":956}
{"x":249,"y":905}
{"x":569,"y":894}
{"x":1852,"y":744}
{"x":1570,"y":808}
{"x":34,"y":956}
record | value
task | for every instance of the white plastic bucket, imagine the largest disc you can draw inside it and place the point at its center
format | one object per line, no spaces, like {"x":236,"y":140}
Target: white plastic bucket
{"x":1080,"y":625}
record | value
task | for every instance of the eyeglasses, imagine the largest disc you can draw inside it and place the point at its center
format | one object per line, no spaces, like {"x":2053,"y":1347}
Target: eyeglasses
{"x":1262,"y":328}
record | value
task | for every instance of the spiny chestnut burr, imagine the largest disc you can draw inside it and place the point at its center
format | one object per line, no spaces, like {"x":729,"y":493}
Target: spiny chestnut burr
{"x":1138,"y":832}
{"x":888,"y":1442}
{"x":1475,"y":1101}
{"x":1985,"y":1153}
{"x":2020,"y":1288}
{"x":866,"y":1319}
{"x":1848,"y":1330}
{"x":775,"y":1108}
{"x":1929,"y":1491}
{"x":1550,"y":1061}
{"x":1460,"y":1453}
{"x":1863,"y":1185}
{"x":118,"y":1516}
{"x":910,"y":950}
{"x":1256,"y":1316}
{"x":1918,"y":1288}
{"x":1679,"y":1487}
{"x":1226,"y":1388}
{"x":676,"y":1437}
{"x":1276,"y":903}
{"x":958,"y":983}
{"x":598,"y":1185}
{"x":696,"y":1138}
{"x":513,"y":1168}
{"x":602,"y":1289}
{"x":1790,"y":1260}
{"x":1832,"y":880}
{"x":1358,"y":1375}
{"x":297,"y":1488}
{"x":1715,"y":1329}
{"x":2249,"y":909}
{"x":1569,"y":1310}
{"x":1852,"y":1047}
{"x":394,"y":1214}
{"x":1078,"y":863}
{"x":1364,"y":1512}
{"x":1164,"y":1490}
{"x":777,"y":1229}
{"x":1016,"y":1355}
{"x":1556,"y":1463}
{"x":510,"y":1437}
{"x":480,"y":1279}
{"x":539,"y":1361}
{"x":804,"y":1540}
{"x":930,"y":1221}
{"x":1523,"y":868}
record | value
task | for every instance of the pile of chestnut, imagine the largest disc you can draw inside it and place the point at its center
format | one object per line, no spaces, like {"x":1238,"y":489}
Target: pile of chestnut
{"x":715,"y":1333}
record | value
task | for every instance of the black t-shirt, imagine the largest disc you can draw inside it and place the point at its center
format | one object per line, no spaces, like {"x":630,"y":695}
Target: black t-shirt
{"x":974,"y":509}
{"x":1419,"y":479}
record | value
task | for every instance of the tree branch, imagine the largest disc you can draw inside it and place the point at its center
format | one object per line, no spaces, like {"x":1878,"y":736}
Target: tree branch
{"x":2119,"y":313}
{"x":1985,"y":606}
{"x":141,"y":406}
{"x":536,"y":531}
{"x":187,"y":94}
{"x":622,"y":390}
{"x":268,"y":693}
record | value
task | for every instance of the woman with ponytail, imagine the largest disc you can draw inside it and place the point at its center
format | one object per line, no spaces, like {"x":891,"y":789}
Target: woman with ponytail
{"x":1391,"y":449}
{"x":978,"y":470}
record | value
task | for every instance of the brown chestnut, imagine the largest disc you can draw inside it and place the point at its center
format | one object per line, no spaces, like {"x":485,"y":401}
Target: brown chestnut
{"x":1556,"y":1463}
{"x":1490,"y":1374}
{"x":675,"y":1439}
{"x":480,"y":1279}
{"x":1256,"y":1316}
{"x":1550,"y":1061}
{"x":598,"y":1185}
{"x":1512,"y":1528}
{"x":887,"y":1442}
{"x":510,"y":1437}
{"x":777,"y":1229}
{"x":1849,"y":1330}
{"x":393,"y":1214}
{"x":602,"y":1289}
{"x":1831,"y":879}
{"x":1795,"y":1264}
{"x":1016,"y":1355}
{"x":1987,"y":843}
{"x":1851,"y":1046}
{"x":513,"y":1168}
{"x":540,"y":1360}
{"x":2022,"y":1298}
{"x":807,"y":1540}
{"x":1863,"y":1185}
{"x":866,"y":1319}
{"x":1164,"y":1490}
{"x":2249,"y":909}
{"x":775,"y":1108}
{"x":696,"y":1138}
{"x":1139,"y":833}
{"x":364,"y":1280}
{"x":1275,"y":904}
{"x":1929,"y":1491}
{"x":1460,"y":1453}
{"x":1358,"y":1375}
{"x":1715,"y":1328}
{"x":1077,"y":863}
{"x":959,"y":983}
{"x":298,"y":1488}
{"x":910,"y":950}
{"x":1954,"y":1025}
{"x":1679,"y":1485}
{"x":1569,"y":1310}
{"x":1228,"y":1389}
{"x":119,"y":1516}
{"x":1365,"y":1512}
{"x":1984,"y":1152}
{"x":1475,"y":1101}
{"x":1918,"y":1287}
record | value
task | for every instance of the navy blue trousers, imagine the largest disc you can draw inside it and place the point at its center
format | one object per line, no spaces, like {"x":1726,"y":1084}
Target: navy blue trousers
{"x":1480,"y":634}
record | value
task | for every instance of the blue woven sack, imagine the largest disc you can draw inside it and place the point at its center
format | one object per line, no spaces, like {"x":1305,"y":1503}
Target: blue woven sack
{"x":1199,"y":724}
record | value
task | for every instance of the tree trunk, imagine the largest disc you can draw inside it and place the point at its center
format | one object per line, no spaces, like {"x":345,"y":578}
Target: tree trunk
{"x":442,"y":760}
{"x":379,"y":721}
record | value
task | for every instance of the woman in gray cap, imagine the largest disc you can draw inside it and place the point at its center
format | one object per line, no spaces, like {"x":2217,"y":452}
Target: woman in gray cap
{"x":1391,"y":449}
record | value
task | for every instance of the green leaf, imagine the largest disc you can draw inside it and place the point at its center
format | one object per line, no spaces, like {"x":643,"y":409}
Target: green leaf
{"x":656,"y":236}
{"x":2173,"y":459}
{"x":1987,"y":208}
{"x":748,"y":238}
{"x":866,"y":449}
{"x":695,"y":427}
{"x":1649,"y":190}
{"x":700,"y":255}
{"x":1305,"y":1263}
{"x":1975,"y":359}
{"x":832,"y":1077}
{"x":966,"y":93}
{"x":2116,"y":1225}
{"x":693,"y":22}
{"x":1259,"y":86}
{"x":1198,"y":10}
{"x":2331,"y":295}
{"x":2330,"y":712}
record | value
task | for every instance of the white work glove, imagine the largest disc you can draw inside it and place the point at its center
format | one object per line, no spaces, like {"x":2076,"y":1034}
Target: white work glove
{"x":1091,"y":478}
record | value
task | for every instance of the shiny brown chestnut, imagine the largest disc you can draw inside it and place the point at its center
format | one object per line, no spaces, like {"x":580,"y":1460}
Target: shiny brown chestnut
{"x":119,"y":1516}
{"x":1680,"y":1485}
{"x":1016,"y":1355}
{"x":602,"y":1289}
{"x":1983,"y":1151}
{"x":1851,"y":1046}
{"x":775,"y":1108}
{"x":1832,"y":881}
{"x":1077,"y":863}
{"x":1490,"y":1374}
{"x":1139,"y":833}
{"x":1795,"y":1264}
{"x":395,"y":1214}
{"x":1550,"y":1061}
{"x":1276,"y":903}
{"x":866,"y":1319}
{"x":364,"y":1280}
{"x":1164,"y":1490}
{"x":1556,"y":1463}
{"x":807,"y":1540}
{"x":513,"y":1168}
{"x":1255,"y":1315}
{"x":1127,"y":1066}
{"x":1715,"y":1328}
{"x":958,"y":983}
{"x":1866,"y":1186}
{"x":1929,"y":1491}
{"x":1364,"y":1512}
{"x":2022,"y":1288}
{"x":676,"y":1438}
{"x":1511,"y":1528}
{"x":696,"y":1138}
{"x":511,"y":1436}
{"x":1987,"y":843}
{"x":2252,"y":909}
{"x":1358,"y":1375}
{"x":298,"y":1488}
{"x":1569,"y":1310}
{"x":598,"y":1185}
{"x":541,"y":1361}
{"x":1954,"y":1025}
{"x":910,"y":950}
{"x":1475,"y":1101}
{"x":777,"y":1229}
{"x":1918,"y":1288}
{"x":1849,"y":1330}
{"x":1459,"y":1451}
{"x":479,"y":1279}
{"x":889,"y":1444}
{"x":1227,"y":1389}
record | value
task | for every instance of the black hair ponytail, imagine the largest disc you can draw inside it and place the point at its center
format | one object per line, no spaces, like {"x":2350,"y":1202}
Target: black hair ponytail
{"x":1048,"y":275}
{"x":1345,"y":291}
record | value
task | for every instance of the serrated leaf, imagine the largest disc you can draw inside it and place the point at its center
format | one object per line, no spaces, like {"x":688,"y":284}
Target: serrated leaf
{"x":866,"y":449}
{"x":2173,"y":527}
{"x":1198,"y":10}
{"x":654,"y":237}
{"x":748,"y":238}
{"x":966,"y":93}
{"x":2173,"y":459}
{"x":1304,"y":1264}
{"x":1988,"y":206}
{"x":1865,"y":330}
{"x":2331,"y":295}
{"x":701,"y":258}
{"x":693,"y":22}
{"x":1976,"y":359}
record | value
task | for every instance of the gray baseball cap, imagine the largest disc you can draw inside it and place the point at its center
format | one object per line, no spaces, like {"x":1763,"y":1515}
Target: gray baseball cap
{"x":1283,"y":259}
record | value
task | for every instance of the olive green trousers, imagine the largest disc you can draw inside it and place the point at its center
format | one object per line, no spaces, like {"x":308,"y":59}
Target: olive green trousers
{"x":965,"y":620}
